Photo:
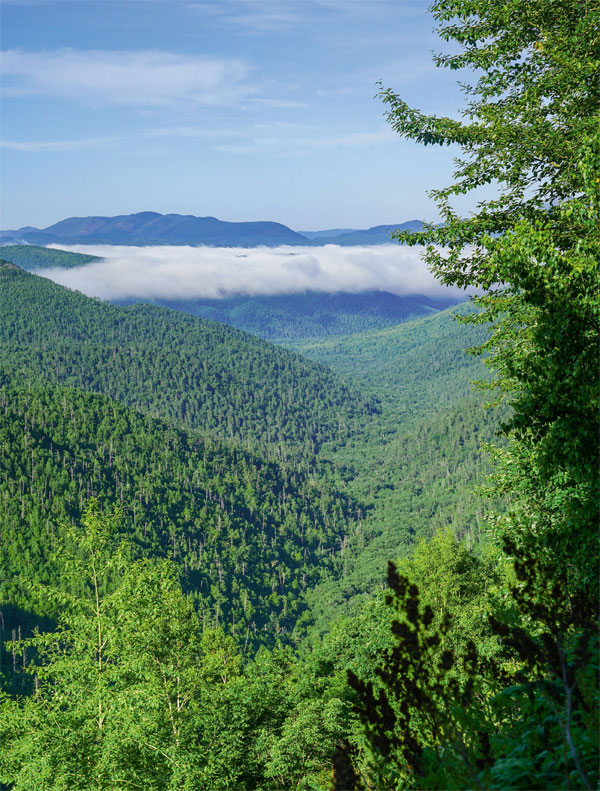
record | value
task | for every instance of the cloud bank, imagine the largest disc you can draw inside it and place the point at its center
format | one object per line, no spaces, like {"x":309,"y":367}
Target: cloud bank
{"x":218,"y":272}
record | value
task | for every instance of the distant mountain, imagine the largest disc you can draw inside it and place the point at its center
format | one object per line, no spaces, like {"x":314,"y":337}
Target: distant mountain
{"x":378,"y":234}
{"x":147,"y":228}
{"x":328,"y":234}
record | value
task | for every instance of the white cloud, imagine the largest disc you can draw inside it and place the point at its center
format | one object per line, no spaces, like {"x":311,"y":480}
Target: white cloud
{"x":59,"y":145}
{"x":277,"y":16}
{"x":277,"y":138}
{"x":213,"y":272}
{"x":278,"y":104}
{"x":281,"y":144}
{"x":143,"y":78}
{"x":250,"y":16}
{"x":199,"y":132}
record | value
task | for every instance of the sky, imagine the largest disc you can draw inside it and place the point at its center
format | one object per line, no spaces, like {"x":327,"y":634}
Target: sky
{"x":238,"y":109}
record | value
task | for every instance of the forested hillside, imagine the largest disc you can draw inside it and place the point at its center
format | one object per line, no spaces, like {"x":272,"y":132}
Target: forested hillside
{"x":407,"y":463}
{"x":418,"y":463}
{"x":406,"y":477}
{"x":194,"y":373}
{"x":288,"y":317}
{"x":31,"y":256}
{"x":252,"y":537}
{"x":417,"y":367}
{"x":249,"y":536}
{"x":421,"y":478}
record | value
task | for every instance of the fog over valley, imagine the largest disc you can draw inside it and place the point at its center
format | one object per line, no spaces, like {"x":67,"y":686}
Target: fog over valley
{"x":212,"y":272}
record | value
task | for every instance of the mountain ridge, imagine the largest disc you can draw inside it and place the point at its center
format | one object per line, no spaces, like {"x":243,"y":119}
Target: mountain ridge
{"x":144,"y":228}
{"x":151,"y":228}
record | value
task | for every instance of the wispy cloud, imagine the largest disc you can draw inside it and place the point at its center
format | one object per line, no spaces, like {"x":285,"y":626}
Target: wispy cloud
{"x":276,"y":138}
{"x":32,"y":146}
{"x":143,"y":78}
{"x":289,"y":145}
{"x":208,"y":272}
{"x":254,"y":16}
{"x":194,"y":132}
{"x":278,"y":104}
{"x":276,"y":16}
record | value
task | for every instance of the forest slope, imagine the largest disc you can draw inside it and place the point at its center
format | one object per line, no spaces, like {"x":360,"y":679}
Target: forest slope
{"x":402,"y":470}
{"x":31,"y":256}
{"x":191,"y":372}
{"x":288,"y":317}
{"x":417,"y":463}
{"x":249,"y":536}
{"x":418,"y":366}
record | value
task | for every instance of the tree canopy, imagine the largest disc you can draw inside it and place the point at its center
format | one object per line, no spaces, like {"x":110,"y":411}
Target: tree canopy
{"x":530,"y":128}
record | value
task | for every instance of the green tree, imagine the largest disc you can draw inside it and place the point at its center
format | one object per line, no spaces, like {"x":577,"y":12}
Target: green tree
{"x":413,"y":696}
{"x":113,"y":683}
{"x":128,"y":693}
{"x":530,"y":127}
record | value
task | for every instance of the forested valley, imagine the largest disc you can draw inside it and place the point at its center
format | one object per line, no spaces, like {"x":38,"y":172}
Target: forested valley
{"x":331,"y":562}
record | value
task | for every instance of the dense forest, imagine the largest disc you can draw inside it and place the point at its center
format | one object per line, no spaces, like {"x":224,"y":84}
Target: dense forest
{"x":290,"y":317}
{"x":248,"y":535}
{"x":227,"y":564}
{"x":31,"y":256}
{"x":194,"y":373}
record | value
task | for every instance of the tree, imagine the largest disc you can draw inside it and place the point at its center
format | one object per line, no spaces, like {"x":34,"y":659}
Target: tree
{"x":128,"y":691}
{"x":530,"y":127}
{"x":112,"y":683}
{"x":415,"y":698}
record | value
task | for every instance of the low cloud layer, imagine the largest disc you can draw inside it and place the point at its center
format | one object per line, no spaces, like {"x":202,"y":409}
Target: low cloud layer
{"x":217,"y":272}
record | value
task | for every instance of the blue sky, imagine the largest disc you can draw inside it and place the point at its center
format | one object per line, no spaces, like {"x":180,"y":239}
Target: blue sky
{"x":240,"y":109}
